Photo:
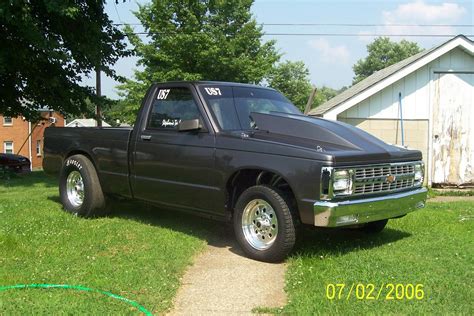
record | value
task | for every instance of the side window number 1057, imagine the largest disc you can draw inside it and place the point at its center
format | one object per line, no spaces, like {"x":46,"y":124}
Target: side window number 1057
{"x":163,"y":94}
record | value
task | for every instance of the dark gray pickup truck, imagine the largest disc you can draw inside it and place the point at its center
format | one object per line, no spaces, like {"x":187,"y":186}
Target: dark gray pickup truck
{"x":240,"y":153}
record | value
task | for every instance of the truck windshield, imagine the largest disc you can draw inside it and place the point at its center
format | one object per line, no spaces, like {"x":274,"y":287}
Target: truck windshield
{"x":231,"y":106}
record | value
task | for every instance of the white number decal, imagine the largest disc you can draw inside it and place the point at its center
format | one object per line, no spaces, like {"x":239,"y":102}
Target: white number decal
{"x":163,"y":94}
{"x":213,"y":91}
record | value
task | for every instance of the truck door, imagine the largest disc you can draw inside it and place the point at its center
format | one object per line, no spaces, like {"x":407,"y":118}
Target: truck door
{"x":171,"y":167}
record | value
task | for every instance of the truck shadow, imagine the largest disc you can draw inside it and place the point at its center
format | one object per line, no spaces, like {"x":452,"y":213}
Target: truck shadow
{"x":216,"y":233}
{"x":339,"y":241}
{"x":310,"y":241}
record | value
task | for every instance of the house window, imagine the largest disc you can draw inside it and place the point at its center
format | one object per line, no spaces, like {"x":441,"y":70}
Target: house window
{"x":38,"y":147}
{"x":8,"y":147}
{"x":7,"y":121}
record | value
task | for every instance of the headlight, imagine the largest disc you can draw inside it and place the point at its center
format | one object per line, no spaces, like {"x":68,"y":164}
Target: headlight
{"x":342,"y":182}
{"x":419,"y":172}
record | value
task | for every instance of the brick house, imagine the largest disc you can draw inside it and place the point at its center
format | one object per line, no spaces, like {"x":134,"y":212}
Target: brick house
{"x":19,"y":136}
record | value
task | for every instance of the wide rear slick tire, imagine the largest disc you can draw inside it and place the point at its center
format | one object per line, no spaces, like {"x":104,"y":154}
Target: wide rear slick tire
{"x":79,"y":188}
{"x":263,"y":224}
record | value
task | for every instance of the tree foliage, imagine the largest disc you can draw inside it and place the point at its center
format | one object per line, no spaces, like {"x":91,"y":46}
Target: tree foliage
{"x":325,"y":93}
{"x":196,"y":40}
{"x":47,"y":46}
{"x":292,"y":79}
{"x":383,"y":53}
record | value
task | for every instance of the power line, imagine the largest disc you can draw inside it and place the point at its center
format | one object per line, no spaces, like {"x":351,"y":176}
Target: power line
{"x":320,"y":34}
{"x":357,"y":25}
{"x":362,"y":35}
{"x":118,"y":15}
{"x":340,"y":24}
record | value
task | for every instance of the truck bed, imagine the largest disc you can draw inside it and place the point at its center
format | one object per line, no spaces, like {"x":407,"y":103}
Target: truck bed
{"x":107,"y":146}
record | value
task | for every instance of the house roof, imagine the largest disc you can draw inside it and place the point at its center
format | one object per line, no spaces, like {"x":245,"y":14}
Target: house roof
{"x":85,"y":123}
{"x":378,"y":77}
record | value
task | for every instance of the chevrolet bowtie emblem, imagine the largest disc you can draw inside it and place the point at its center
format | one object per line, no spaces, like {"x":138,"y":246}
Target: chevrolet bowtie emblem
{"x":390,"y":179}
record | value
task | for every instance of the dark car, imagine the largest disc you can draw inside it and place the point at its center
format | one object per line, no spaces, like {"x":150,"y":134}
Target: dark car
{"x":239,"y":153}
{"x":15,"y":163}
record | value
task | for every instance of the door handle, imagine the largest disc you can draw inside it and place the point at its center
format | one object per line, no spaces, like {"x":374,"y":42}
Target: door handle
{"x":145,"y":137}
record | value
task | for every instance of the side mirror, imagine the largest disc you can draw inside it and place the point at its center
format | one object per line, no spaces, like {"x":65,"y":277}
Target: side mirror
{"x":189,"y":125}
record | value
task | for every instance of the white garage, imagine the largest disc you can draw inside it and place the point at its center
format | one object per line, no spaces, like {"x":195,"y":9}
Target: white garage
{"x":425,"y":102}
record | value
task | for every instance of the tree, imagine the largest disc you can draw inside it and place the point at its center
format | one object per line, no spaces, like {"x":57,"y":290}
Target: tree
{"x":47,"y":46}
{"x":325,"y":93}
{"x":196,"y":40}
{"x":383,"y":53}
{"x":292,"y":79}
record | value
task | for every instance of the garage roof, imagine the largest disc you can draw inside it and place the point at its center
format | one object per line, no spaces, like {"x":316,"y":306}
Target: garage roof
{"x":379,"y":77}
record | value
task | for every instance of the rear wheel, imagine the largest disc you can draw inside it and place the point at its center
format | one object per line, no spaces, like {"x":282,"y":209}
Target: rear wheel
{"x":374,"y":227}
{"x":79,"y":188}
{"x":263,"y":224}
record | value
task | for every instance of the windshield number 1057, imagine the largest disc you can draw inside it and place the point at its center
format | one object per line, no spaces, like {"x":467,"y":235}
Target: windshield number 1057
{"x":213,"y":91}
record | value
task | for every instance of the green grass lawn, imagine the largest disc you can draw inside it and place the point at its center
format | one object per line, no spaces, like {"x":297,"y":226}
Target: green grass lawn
{"x":137,"y":254}
{"x":449,"y":192}
{"x":140,"y":254}
{"x":433,"y":247}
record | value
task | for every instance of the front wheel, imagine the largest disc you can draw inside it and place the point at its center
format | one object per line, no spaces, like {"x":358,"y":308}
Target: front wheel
{"x":263,"y":224}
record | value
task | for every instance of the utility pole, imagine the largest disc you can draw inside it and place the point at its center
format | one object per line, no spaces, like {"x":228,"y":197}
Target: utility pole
{"x":97,"y":90}
{"x":310,"y":101}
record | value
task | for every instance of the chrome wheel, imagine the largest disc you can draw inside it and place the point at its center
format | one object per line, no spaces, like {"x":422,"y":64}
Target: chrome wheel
{"x":259,"y":224}
{"x":75,"y":188}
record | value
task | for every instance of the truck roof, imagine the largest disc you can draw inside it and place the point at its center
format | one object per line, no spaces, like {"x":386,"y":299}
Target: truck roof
{"x":219,"y":83}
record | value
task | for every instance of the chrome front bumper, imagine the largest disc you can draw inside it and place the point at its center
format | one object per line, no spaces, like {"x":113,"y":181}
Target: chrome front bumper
{"x":353,"y":212}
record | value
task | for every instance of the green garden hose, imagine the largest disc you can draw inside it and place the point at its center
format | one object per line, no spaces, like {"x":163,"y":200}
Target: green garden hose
{"x":78,"y":288}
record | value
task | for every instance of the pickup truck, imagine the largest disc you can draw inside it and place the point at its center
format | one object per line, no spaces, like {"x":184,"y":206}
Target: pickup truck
{"x":239,"y":153}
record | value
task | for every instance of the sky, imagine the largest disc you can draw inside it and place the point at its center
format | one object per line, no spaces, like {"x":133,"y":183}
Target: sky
{"x":329,"y":58}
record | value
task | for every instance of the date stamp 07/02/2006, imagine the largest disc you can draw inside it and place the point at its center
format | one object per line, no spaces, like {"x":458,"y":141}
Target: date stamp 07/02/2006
{"x":370,"y":291}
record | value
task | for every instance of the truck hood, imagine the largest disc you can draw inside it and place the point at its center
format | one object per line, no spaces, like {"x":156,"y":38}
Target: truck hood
{"x":345,"y":143}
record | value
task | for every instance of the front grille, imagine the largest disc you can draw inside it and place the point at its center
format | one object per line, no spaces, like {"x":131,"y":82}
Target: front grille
{"x":376,"y":179}
{"x":384,"y":171}
{"x":383,"y":187}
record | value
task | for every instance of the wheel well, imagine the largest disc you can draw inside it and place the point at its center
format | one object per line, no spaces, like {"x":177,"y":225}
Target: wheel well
{"x":245,"y":178}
